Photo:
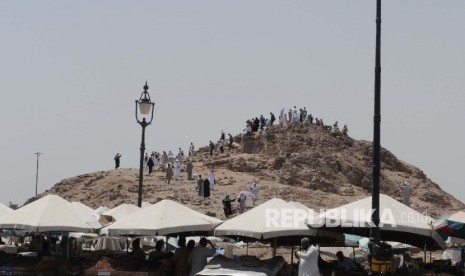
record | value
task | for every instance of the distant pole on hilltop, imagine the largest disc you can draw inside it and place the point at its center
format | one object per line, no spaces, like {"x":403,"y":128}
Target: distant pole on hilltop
{"x":37,"y":169}
{"x":143,"y":106}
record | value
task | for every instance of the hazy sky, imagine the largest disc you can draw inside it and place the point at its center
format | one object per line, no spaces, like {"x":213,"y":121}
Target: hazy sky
{"x":71,"y":71}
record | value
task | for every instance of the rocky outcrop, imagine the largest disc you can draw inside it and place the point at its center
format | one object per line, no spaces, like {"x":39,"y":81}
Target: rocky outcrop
{"x":302,"y":163}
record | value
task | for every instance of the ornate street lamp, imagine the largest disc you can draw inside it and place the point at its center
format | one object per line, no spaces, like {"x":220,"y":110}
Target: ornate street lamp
{"x":143,"y":106}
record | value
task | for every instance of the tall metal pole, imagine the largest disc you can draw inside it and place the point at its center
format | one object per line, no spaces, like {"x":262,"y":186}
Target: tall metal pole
{"x":374,"y":231}
{"x":37,"y":170}
{"x":141,"y":164}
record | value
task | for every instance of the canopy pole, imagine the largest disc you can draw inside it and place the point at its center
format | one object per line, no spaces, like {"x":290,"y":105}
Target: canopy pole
{"x":274,"y":247}
{"x":430,"y":258}
{"x":247,"y":249}
{"x":424,"y":252}
{"x":292,"y":259}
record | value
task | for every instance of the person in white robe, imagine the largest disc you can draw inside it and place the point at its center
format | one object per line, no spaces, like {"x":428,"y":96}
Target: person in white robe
{"x":308,"y":259}
{"x":177,"y":169}
{"x":254,"y":191}
{"x":406,"y":192}
{"x":211,"y":178}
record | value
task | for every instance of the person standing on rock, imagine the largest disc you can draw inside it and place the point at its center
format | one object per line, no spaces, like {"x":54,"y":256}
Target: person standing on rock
{"x":189,"y":168}
{"x":200,"y":187}
{"x":117,"y":160}
{"x":150,"y":163}
{"x":211,"y":178}
{"x":177,"y":169}
{"x":222,"y":145}
{"x":222,"y":137}
{"x":254,"y":191}
{"x":272,"y":118}
{"x":191,"y":149}
{"x":206,"y":188}
{"x":212,"y":147}
{"x":231,"y":141}
{"x":169,"y":174}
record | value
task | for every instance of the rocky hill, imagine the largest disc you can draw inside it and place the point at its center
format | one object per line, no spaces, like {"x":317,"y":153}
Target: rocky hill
{"x":300,"y":163}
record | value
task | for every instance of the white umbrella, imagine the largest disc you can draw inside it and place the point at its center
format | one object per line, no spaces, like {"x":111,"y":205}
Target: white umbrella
{"x":87,"y":213}
{"x":121,"y":211}
{"x":398,"y":222}
{"x":272,"y":219}
{"x":49,"y":213}
{"x":4,"y":210}
{"x":162,"y":218}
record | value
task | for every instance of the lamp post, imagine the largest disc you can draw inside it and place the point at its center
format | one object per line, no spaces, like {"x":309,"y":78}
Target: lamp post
{"x":375,"y":238}
{"x":37,"y":169}
{"x":143,"y":106}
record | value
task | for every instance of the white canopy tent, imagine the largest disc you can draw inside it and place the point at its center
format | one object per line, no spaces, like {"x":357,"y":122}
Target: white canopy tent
{"x":4,"y":210}
{"x":49,"y":213}
{"x":121,"y":211}
{"x":398,"y":222}
{"x":272,"y":219}
{"x":160,"y":219}
{"x":87,"y":213}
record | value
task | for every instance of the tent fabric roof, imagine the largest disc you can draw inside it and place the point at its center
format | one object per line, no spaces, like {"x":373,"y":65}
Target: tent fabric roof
{"x":4,"y":210}
{"x":398,"y":222}
{"x":166,"y":217}
{"x":259,"y":222}
{"x":121,"y":211}
{"x":49,"y":213}
{"x":87,"y":213}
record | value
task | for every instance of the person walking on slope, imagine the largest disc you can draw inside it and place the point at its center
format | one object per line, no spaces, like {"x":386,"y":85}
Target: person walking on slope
{"x":206,"y":188}
{"x":150,"y":163}
{"x":242,"y":199}
{"x":308,"y":259}
{"x":200,"y":187}
{"x":254,"y":191}
{"x":189,"y":168}
{"x":169,"y":174}
{"x":211,"y":178}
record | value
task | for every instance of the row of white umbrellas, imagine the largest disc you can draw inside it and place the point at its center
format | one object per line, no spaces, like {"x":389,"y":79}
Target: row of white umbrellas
{"x":52,"y":213}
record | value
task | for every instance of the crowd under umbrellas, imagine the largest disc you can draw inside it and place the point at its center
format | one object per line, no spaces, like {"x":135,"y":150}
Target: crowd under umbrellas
{"x":168,"y":218}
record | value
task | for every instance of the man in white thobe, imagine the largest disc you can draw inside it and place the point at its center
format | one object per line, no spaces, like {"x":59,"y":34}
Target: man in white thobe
{"x":406,"y":190}
{"x":308,"y":259}
{"x":177,"y":169}
{"x":211,"y":178}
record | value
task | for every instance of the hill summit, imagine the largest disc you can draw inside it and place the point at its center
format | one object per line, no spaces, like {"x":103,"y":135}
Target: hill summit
{"x":300,"y":163}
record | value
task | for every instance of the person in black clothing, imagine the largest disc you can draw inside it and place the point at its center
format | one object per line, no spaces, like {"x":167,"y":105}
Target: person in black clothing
{"x":212,"y":147}
{"x":222,"y":137}
{"x":272,"y":118}
{"x":117,"y":159}
{"x":227,"y":206}
{"x":206,"y":188}
{"x":231,"y":140}
{"x":255,"y":125}
{"x":150,"y":163}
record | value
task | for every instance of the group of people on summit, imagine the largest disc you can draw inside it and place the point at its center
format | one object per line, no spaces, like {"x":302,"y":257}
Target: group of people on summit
{"x":288,"y":118}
